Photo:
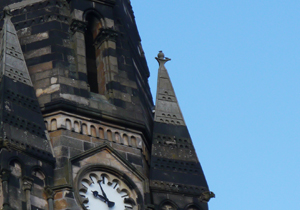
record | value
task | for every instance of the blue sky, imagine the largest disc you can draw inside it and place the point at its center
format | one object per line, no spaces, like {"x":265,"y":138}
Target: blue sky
{"x":236,"y":72}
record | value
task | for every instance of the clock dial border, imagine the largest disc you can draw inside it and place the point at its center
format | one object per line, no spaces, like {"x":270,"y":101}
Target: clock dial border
{"x":126,"y":183}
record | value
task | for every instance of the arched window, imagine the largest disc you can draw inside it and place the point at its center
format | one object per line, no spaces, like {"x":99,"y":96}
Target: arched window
{"x":92,"y":63}
{"x":39,"y":174}
{"x":15,"y":168}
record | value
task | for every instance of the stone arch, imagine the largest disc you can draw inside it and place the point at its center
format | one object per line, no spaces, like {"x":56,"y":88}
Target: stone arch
{"x":95,"y":67}
{"x":53,"y":125}
{"x":168,"y":205}
{"x":117,"y":137}
{"x":133,"y":141}
{"x":84,"y":129}
{"x":76,"y":127}
{"x":101,"y":133}
{"x":109,"y":135}
{"x":192,"y":207}
{"x":15,"y":167}
{"x":125,"y":139}
{"x":93,"y":131}
{"x":68,"y":124}
{"x":96,"y":14}
{"x":46,"y":124}
{"x":38,"y":173}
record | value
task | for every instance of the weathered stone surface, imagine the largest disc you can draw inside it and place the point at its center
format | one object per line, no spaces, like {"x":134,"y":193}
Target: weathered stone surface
{"x":49,"y":90}
{"x":36,"y":53}
{"x":34,"y":38}
{"x":104,"y":120}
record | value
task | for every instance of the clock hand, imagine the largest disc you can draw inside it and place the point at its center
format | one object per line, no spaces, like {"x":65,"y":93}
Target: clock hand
{"x":109,"y":203}
{"x":96,"y":194}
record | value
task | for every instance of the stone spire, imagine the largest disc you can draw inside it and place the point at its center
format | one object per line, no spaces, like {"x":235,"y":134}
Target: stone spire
{"x":166,"y":107}
{"x":22,"y":124}
{"x":12,"y":62}
{"x":176,"y":176}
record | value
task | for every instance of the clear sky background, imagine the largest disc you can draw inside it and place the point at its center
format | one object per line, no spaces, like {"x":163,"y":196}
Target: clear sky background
{"x":236,"y":72}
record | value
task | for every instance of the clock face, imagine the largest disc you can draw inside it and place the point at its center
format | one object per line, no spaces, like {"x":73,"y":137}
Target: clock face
{"x":103,"y":191}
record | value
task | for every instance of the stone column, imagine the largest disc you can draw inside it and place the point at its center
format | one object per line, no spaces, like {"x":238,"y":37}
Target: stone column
{"x":78,"y":28}
{"x":27,"y":185}
{"x":105,"y":40}
{"x":50,"y":196}
{"x":4,"y":178}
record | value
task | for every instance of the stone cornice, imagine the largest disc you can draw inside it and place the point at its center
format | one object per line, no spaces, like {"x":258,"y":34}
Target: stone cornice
{"x":190,"y":190}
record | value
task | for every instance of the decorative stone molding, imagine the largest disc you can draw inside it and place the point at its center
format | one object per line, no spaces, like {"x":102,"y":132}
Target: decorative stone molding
{"x":177,"y":188}
{"x":90,"y":127}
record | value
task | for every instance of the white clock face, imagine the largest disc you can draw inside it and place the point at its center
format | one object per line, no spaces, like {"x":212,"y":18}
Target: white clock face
{"x":103,"y":191}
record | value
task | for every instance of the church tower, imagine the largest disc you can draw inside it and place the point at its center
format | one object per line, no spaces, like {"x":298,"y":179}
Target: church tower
{"x":79,"y":129}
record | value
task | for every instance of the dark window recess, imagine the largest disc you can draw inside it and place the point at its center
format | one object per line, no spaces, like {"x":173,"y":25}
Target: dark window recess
{"x":92,"y":30}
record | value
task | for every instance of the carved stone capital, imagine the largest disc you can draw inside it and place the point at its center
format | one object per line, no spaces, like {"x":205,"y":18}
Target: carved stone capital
{"x":78,"y":26}
{"x":27,"y":183}
{"x":5,"y":173}
{"x":49,"y":192}
{"x":105,"y":34}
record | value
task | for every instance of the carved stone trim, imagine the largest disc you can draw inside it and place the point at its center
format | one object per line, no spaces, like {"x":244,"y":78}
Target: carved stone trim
{"x":177,"y":188}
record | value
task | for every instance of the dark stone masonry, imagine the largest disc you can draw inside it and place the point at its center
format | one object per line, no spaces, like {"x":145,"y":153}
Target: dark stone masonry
{"x":79,"y":129}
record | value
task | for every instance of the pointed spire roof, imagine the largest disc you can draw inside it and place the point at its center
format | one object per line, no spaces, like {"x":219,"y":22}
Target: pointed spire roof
{"x":13,"y":63}
{"x":22,"y":124}
{"x":167,"y":109}
{"x":174,"y":168}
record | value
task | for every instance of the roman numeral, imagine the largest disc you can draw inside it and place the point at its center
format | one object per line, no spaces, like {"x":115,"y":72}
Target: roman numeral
{"x":115,"y":185}
{"x":92,"y":179}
